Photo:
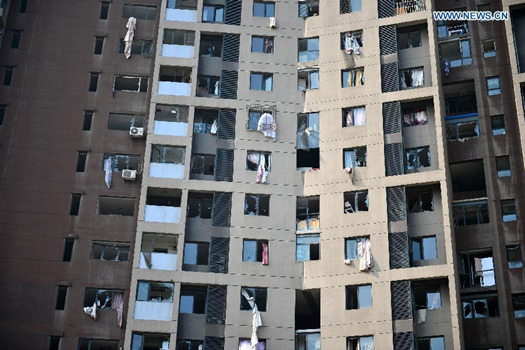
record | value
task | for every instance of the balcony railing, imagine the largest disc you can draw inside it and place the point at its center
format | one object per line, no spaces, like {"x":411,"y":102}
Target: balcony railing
{"x":158,"y":213}
{"x":409,"y":6}
{"x":179,"y":51}
{"x":166,"y":170}
{"x":471,"y":213}
{"x":153,"y":310}
{"x":158,"y":261}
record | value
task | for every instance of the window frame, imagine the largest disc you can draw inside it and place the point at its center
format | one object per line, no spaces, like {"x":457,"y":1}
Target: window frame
{"x":420,"y":242}
{"x":314,"y":246}
{"x":266,"y":79}
{"x":267,"y":49}
{"x":353,"y":297}
{"x":494,"y":91}
{"x":350,"y":75}
{"x":517,"y":262}
{"x":353,"y":199}
{"x":130,"y":9}
{"x":260,"y":295}
{"x":217,"y":9}
{"x":205,"y":158}
{"x":308,"y":54}
{"x":119,"y":247}
{"x":253,"y":253}
{"x":500,"y":171}
{"x":268,"y":11}
{"x":149,"y":297}
{"x":258,"y":210}
{"x":202,"y":256}
{"x":491,"y":53}
{"x":353,"y":243}
{"x":416,"y":153}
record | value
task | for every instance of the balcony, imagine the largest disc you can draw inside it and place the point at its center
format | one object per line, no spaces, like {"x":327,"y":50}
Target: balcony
{"x":175,"y":81}
{"x":171,"y":120}
{"x":470,"y":212}
{"x":181,"y":10}
{"x":452,"y":29}
{"x":408,"y":6}
{"x":163,"y":205}
{"x":178,"y":43}
{"x":158,"y":252}
{"x":167,"y":162}
{"x":154,"y":301}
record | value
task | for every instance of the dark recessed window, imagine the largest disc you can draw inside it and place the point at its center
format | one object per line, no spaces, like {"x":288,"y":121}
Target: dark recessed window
{"x":23,"y":6}
{"x":99,"y":44}
{"x":75,"y":203}
{"x":93,"y":81}
{"x":68,"y":249}
{"x":61,"y":298}
{"x":88,"y":119}
{"x":8,"y":75}
{"x":15,"y":39}
{"x":2,"y":113}
{"x":81,"y":161}
{"x":104,"y":9}
{"x":498,"y":125}
{"x":54,"y":342}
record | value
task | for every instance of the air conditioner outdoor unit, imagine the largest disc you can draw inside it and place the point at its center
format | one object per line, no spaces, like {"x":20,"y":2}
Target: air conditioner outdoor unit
{"x":273,"y":23}
{"x":129,"y":174}
{"x":136,"y":132}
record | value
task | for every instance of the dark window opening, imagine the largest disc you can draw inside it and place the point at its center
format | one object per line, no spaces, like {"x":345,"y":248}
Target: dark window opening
{"x":140,"y":11}
{"x":457,"y":53}
{"x":358,"y":297}
{"x":54,"y":342}
{"x":308,"y":159}
{"x":508,"y":210}
{"x":498,"y":125}
{"x":167,"y":154}
{"x":433,"y":343}
{"x":61,"y":298}
{"x":150,"y":341}
{"x":179,"y":37}
{"x":354,"y":157}
{"x":75,"y":203}
{"x":15,"y":39}
{"x":155,"y":291}
{"x":480,"y":305}
{"x":23,"y":6}
{"x":460,"y":105}
{"x":355,"y":201}
{"x":208,"y":85}
{"x":257,"y":204}
{"x":2,"y":113}
{"x":460,"y":128}
{"x":138,"y":47}
{"x":200,"y":205}
{"x":470,"y":213}
{"x":99,"y":44}
{"x":426,"y":296}
{"x":204,"y":120}
{"x":488,"y":48}
{"x":123,"y":121}
{"x":88,"y":120}
{"x":81,"y":161}
{"x":308,"y":213}
{"x":417,"y":158}
{"x":413,"y":77}
{"x":253,"y":250}
{"x":503,"y":166}
{"x":476,"y":269}
{"x":192,"y":299}
{"x":119,"y":206}
{"x":8,"y":75}
{"x":308,"y":79}
{"x":211,"y":45}
{"x":175,"y":74}
{"x":514,"y":256}
{"x":518,"y":304}
{"x":196,"y":253}
{"x":104,"y":9}
{"x":109,"y":251}
{"x":97,"y":344}
{"x":307,"y":247}
{"x":307,"y":311}
{"x":260,"y":296}
{"x":120,"y":162}
{"x":254,"y":159}
{"x":356,"y":343}
{"x":308,"y":8}
{"x":130,"y":84}
{"x":420,"y":201}
{"x":189,"y":344}
{"x":468,"y":177}
{"x":408,"y":38}
{"x":93,"y":81}
{"x":202,"y":164}
{"x":308,"y":141}
{"x":68,"y":249}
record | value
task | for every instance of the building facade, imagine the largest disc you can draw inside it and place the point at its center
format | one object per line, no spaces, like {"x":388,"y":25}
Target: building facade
{"x":352,"y":168}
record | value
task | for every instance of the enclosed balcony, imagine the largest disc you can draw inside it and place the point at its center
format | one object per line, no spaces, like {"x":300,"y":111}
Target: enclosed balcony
{"x":181,"y":10}
{"x":154,"y":301}
{"x":167,"y":162}
{"x":163,"y":205}
{"x":158,"y":251}
{"x":171,"y":120}
{"x":408,"y":6}
{"x":178,"y":43}
{"x":174,"y":81}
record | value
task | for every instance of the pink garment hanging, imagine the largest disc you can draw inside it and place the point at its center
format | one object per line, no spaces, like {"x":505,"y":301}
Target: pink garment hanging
{"x":118,"y":304}
{"x":264,"y":253}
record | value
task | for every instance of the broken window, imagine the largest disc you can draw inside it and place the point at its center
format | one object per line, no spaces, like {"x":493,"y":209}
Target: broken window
{"x":356,"y":38}
{"x":261,"y":81}
{"x":426,"y":296}
{"x":54,"y":342}
{"x":61,"y":297}
{"x":175,"y":74}
{"x":204,"y":121}
{"x":355,"y":201}
{"x":138,"y":47}
{"x":354,"y":116}
{"x":493,"y":86}
{"x":97,"y":344}
{"x":75,"y":203}
{"x":202,"y":164}
{"x":179,"y":37}
{"x":255,"y":113}
{"x":408,"y":37}
{"x":308,"y":339}
{"x":104,"y":9}
{"x":200,"y":205}
{"x":452,"y":28}
{"x":308,"y":131}
{"x":476,"y":269}
{"x":260,"y":296}
{"x":354,"y":157}
{"x":120,"y":206}
{"x":462,"y":127}
{"x":246,"y":344}
{"x":308,"y":49}
{"x":514,"y":256}
{"x":103,"y":297}
{"x":159,"y":243}
{"x":518,"y":304}
{"x":348,"y":6}
{"x":182,"y":5}
{"x":196,"y":253}
{"x":357,"y":343}
{"x":167,"y":154}
{"x":432,"y":343}
{"x":93,"y":81}
{"x":498,"y":125}
{"x":155,"y":291}
{"x":417,"y":157}
{"x":262,"y":44}
{"x":254,"y":158}
{"x":139,"y":11}
{"x":480,"y":305}
{"x":81,"y":161}
{"x":263,"y":9}
{"x":308,"y":79}
{"x":508,"y":210}
{"x":211,"y":45}
{"x":358,"y":297}
{"x":457,"y":53}
{"x":470,"y":213}
{"x":351,"y":247}
{"x":257,"y":204}
{"x":15,"y":39}
{"x":414,"y":116}
{"x":2,"y":113}
{"x":147,"y":341}
{"x":189,"y":344}
{"x":420,"y":201}
{"x":308,"y":213}
{"x":352,"y":77}
{"x":467,"y":177}
{"x":213,"y":13}
{"x":192,"y":299}
{"x":68,"y":249}
{"x":121,"y":162}
{"x":124,"y":121}
{"x":208,"y":85}
{"x":130,"y":84}
{"x":424,"y":248}
{"x":307,"y":247}
{"x":99,"y":44}
{"x":109,"y":251}
{"x":413,"y":77}
{"x":488,"y":47}
{"x":254,"y":250}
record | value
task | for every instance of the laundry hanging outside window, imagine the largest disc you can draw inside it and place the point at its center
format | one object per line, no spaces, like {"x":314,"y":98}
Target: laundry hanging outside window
{"x":128,"y":39}
{"x":256,"y":318}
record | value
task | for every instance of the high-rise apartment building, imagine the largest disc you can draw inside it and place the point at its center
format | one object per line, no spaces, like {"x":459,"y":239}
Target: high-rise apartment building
{"x":352,"y":168}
